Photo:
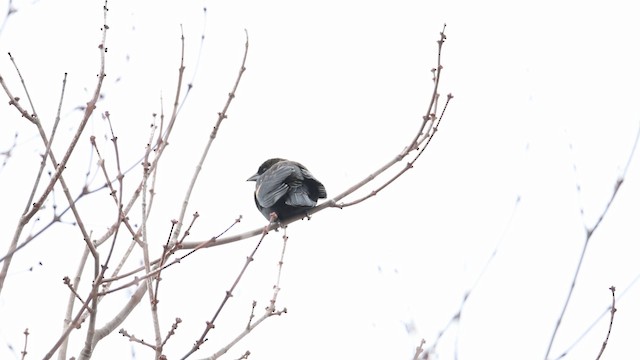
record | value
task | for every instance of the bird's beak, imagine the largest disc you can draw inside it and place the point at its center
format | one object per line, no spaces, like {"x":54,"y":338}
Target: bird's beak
{"x":253,"y":177}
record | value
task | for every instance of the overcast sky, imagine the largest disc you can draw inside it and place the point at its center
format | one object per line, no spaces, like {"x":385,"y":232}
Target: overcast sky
{"x":541,"y":127}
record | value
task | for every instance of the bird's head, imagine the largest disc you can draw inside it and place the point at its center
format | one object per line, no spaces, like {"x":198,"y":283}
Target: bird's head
{"x":264,"y":167}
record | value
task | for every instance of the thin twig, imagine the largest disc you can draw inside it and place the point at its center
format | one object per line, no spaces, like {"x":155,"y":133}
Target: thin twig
{"x":10,"y":11}
{"x":171,"y":332}
{"x":99,"y":269}
{"x":221,"y":116}
{"x":419,"y":350}
{"x":613,"y":311}
{"x":145,"y":251}
{"x":606,"y":311}
{"x":62,"y":354}
{"x":9,"y":152}
{"x":133,"y":338}
{"x":24,"y":349}
{"x":67,"y":282}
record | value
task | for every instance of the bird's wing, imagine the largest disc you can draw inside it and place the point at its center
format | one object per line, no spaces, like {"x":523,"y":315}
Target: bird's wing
{"x":273,"y":184}
{"x":298,"y":196}
{"x":322,"y":192}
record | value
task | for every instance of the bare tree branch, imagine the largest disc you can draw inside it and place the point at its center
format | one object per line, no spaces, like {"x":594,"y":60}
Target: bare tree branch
{"x":588,"y":234}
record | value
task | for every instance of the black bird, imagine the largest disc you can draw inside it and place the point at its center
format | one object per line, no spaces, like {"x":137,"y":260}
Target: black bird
{"x":286,"y":188}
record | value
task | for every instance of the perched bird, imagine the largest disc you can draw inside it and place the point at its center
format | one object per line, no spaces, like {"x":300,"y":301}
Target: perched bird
{"x":286,"y":188}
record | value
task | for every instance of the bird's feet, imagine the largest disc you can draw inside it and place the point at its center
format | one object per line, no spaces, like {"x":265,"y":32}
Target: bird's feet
{"x":273,"y":219}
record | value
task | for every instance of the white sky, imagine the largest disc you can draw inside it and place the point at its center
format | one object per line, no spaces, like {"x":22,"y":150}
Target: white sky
{"x":540,"y":87}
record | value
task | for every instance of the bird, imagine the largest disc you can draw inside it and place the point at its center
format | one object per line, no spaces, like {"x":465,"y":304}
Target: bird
{"x":285,"y":188}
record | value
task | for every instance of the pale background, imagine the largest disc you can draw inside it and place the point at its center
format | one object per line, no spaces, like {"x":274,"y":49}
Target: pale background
{"x":540,"y":88}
